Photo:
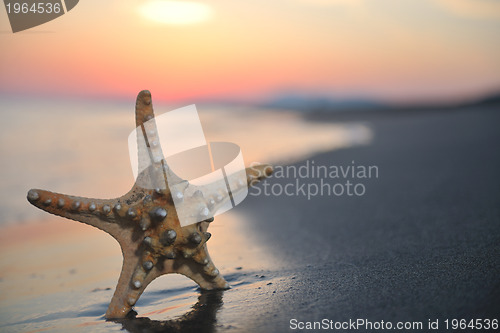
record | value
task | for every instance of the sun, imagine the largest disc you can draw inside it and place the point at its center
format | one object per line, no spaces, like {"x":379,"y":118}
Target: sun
{"x":176,"y":12}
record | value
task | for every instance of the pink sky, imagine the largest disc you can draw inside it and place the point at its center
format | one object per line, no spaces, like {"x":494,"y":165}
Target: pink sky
{"x":387,"y":49}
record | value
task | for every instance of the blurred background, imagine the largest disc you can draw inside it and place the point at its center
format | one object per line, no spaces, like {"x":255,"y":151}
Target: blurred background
{"x":259,"y":51}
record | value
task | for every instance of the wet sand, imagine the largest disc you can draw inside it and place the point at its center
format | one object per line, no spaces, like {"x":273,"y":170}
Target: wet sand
{"x":422,"y":243}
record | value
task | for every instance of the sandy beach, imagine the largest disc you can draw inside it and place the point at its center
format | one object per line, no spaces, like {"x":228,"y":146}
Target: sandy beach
{"x":421,"y":243}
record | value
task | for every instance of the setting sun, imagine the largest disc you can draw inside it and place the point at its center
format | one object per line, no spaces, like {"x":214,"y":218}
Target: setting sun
{"x":176,"y":12}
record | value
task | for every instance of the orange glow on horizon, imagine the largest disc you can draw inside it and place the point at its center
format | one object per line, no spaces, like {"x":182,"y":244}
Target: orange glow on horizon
{"x":418,"y":49}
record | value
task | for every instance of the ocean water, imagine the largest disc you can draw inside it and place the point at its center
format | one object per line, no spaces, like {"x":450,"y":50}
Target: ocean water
{"x":80,"y":146}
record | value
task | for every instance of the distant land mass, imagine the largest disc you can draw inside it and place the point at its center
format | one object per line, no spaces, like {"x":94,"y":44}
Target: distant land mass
{"x":299,"y":102}
{"x":333,"y":109}
{"x":324,"y":104}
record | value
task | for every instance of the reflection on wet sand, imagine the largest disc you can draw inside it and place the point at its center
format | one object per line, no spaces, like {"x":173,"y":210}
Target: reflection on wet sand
{"x":202,"y":317}
{"x":58,"y":262}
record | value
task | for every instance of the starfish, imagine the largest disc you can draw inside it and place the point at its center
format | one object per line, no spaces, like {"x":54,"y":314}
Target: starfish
{"x":145,"y":223}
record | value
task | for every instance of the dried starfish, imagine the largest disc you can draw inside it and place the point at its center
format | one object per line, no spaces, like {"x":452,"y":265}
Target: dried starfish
{"x":145,"y":224}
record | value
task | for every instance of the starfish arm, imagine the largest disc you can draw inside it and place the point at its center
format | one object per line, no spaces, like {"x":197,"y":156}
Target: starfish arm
{"x":132,"y":282}
{"x":254,"y":174}
{"x":151,"y":161}
{"x":100,"y":213}
{"x":200,"y":269}
{"x":192,"y":258}
{"x":144,"y":122}
{"x":143,"y":108}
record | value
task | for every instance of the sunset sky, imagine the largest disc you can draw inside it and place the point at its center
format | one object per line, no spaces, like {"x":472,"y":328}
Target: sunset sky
{"x":393,"y":50}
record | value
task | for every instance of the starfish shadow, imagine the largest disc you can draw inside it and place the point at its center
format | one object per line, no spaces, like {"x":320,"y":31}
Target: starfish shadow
{"x":202,"y":318}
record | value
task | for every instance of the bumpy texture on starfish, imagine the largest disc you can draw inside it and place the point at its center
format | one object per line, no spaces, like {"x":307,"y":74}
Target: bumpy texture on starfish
{"x":145,"y":224}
